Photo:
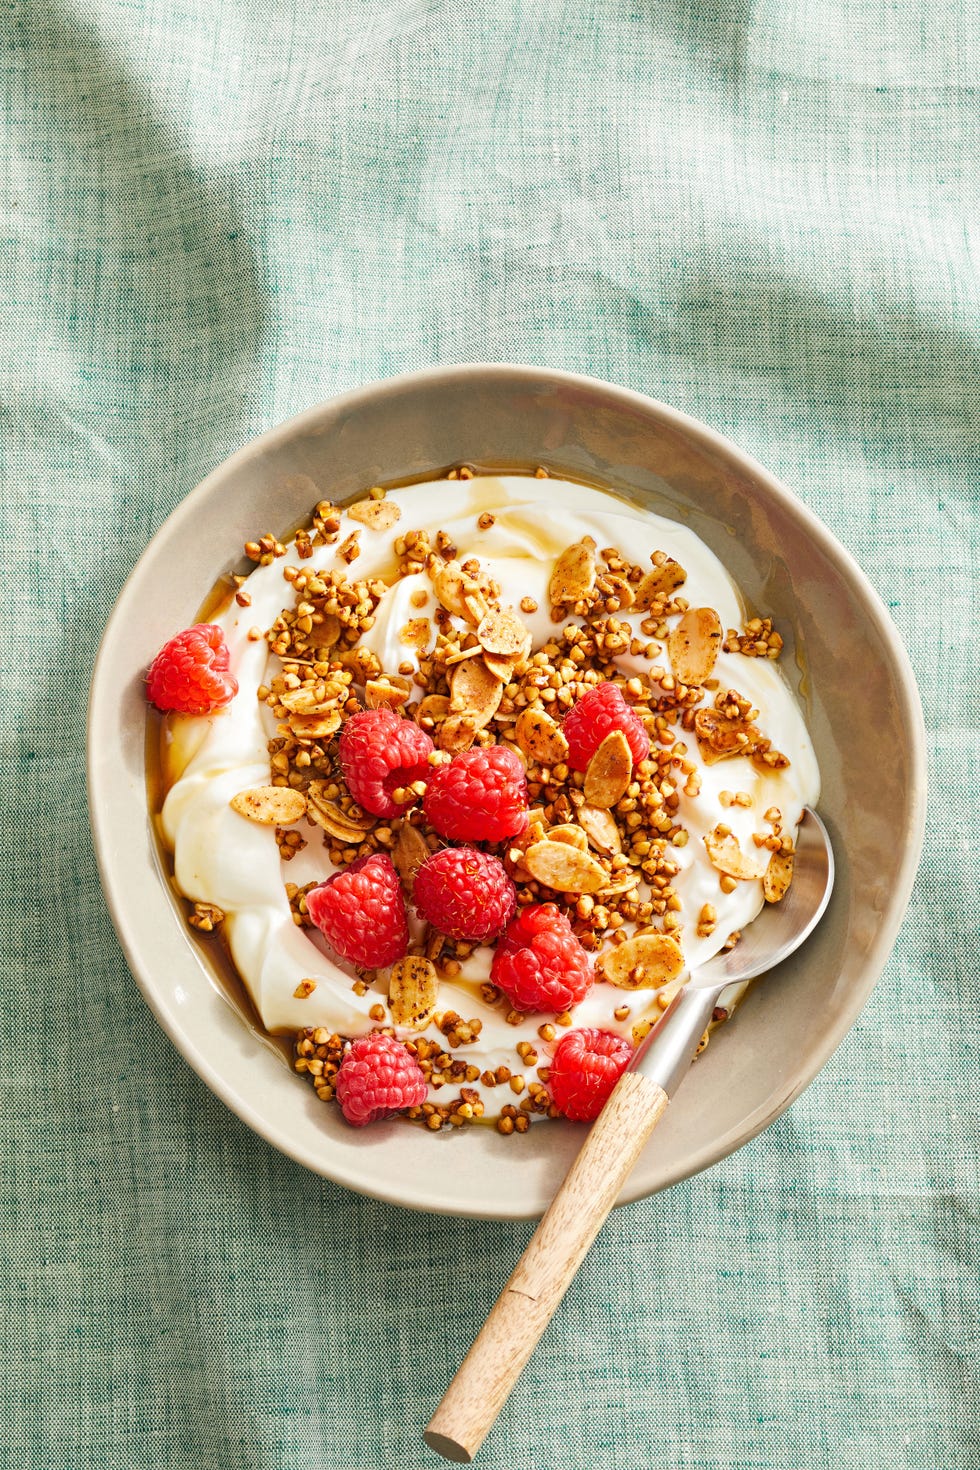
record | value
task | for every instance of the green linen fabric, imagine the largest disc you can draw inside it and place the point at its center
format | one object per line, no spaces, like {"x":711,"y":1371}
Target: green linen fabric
{"x":215,"y":214}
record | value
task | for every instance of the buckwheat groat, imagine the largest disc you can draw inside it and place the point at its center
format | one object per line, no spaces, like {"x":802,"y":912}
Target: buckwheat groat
{"x":546,"y":711}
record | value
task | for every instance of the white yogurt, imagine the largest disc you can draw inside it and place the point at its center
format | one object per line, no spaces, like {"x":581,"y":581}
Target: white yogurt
{"x":224,"y":859}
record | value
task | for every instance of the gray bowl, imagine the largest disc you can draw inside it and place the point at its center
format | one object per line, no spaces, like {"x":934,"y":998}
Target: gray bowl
{"x":855,"y":685}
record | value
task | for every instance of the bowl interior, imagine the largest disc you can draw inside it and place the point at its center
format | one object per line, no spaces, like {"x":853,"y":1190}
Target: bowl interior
{"x":842,"y":654}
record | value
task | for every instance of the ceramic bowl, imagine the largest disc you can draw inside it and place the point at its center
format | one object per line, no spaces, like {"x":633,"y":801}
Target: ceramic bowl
{"x":852,"y":677}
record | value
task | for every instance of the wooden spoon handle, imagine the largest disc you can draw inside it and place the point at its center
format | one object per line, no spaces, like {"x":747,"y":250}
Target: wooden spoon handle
{"x":556,"y":1250}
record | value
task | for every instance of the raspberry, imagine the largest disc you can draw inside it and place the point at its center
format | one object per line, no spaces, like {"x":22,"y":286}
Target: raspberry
{"x":539,"y":963}
{"x":596,"y":715}
{"x":378,"y":1076}
{"x":362,"y":913}
{"x":190,"y":673}
{"x":480,"y":796}
{"x":380,"y":752}
{"x":465,"y":893}
{"x":584,"y":1070}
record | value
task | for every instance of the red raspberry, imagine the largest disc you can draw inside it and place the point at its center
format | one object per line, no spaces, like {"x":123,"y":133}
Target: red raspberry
{"x":380,"y":751}
{"x":362,"y":912}
{"x":480,"y":796}
{"x":190,"y":673}
{"x":465,"y":893}
{"x":378,"y":1076}
{"x":584,"y":1070}
{"x":539,"y":963}
{"x":596,"y":715}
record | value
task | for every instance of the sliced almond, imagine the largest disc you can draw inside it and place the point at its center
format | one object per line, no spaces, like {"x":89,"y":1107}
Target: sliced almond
{"x":662,"y":581}
{"x":475,"y":692}
{"x":600,"y":828}
{"x":475,"y":603}
{"x":382,"y":693}
{"x":570,"y":833}
{"x":315,"y":727}
{"x":448,"y":583}
{"x":413,"y":990}
{"x":324,"y":634}
{"x":432,"y":710}
{"x":377,"y":515}
{"x":722,"y":737}
{"x":614,"y":584}
{"x":456,"y":734}
{"x":777,"y":877}
{"x":643,"y":963}
{"x":564,"y":868}
{"x":270,"y":806}
{"x":462,"y":654}
{"x":502,"y":632}
{"x":502,"y":667}
{"x":609,"y":771}
{"x":574,"y":575}
{"x":308,"y":700}
{"x":326,"y":811}
{"x":694,"y":644}
{"x":623,"y":882}
{"x":416,"y":633}
{"x":540,"y":737}
{"x":409,"y":851}
{"x":727,"y":856}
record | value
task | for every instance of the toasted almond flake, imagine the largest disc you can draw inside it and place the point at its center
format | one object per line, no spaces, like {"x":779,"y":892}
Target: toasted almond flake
{"x":409,"y":851}
{"x":456,"y":733}
{"x":316,"y":797}
{"x":416,"y":633}
{"x":462,"y":654}
{"x":540,"y":737}
{"x":570,"y":833}
{"x":377,"y":515}
{"x":304,"y":989}
{"x":383,"y":694}
{"x":564,"y":868}
{"x":448,"y":583}
{"x":270,"y":806}
{"x":719,"y":736}
{"x":644,"y":962}
{"x":306,"y":701}
{"x":601,"y":829}
{"x":778,"y":876}
{"x":623,"y":882}
{"x":502,"y":632}
{"x":413,"y":990}
{"x":727,"y":856}
{"x":609,"y":771}
{"x":432,"y":710}
{"x":475,"y":604}
{"x":693,"y":645}
{"x":619,"y":588}
{"x":476,"y":692}
{"x":662,"y":581}
{"x":502,"y":667}
{"x":574,"y":575}
{"x":315,"y":727}
{"x":324,"y":634}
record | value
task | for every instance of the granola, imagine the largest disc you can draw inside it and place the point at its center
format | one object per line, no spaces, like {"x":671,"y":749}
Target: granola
{"x":484,"y":617}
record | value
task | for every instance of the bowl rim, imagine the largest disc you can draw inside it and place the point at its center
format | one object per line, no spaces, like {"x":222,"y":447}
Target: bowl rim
{"x":104,"y":684}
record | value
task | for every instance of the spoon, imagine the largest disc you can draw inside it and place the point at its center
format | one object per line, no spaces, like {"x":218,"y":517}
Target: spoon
{"x":639,"y":1100}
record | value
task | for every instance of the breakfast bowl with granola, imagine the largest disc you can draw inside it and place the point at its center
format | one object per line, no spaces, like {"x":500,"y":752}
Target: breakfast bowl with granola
{"x":466,"y":715}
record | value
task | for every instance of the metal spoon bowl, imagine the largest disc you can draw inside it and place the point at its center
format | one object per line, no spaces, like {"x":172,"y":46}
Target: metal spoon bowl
{"x":665,"y":1056}
{"x":612,"y":1146}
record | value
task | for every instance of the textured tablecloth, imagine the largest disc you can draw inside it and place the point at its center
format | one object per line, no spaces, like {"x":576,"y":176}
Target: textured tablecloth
{"x":213,"y":214}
